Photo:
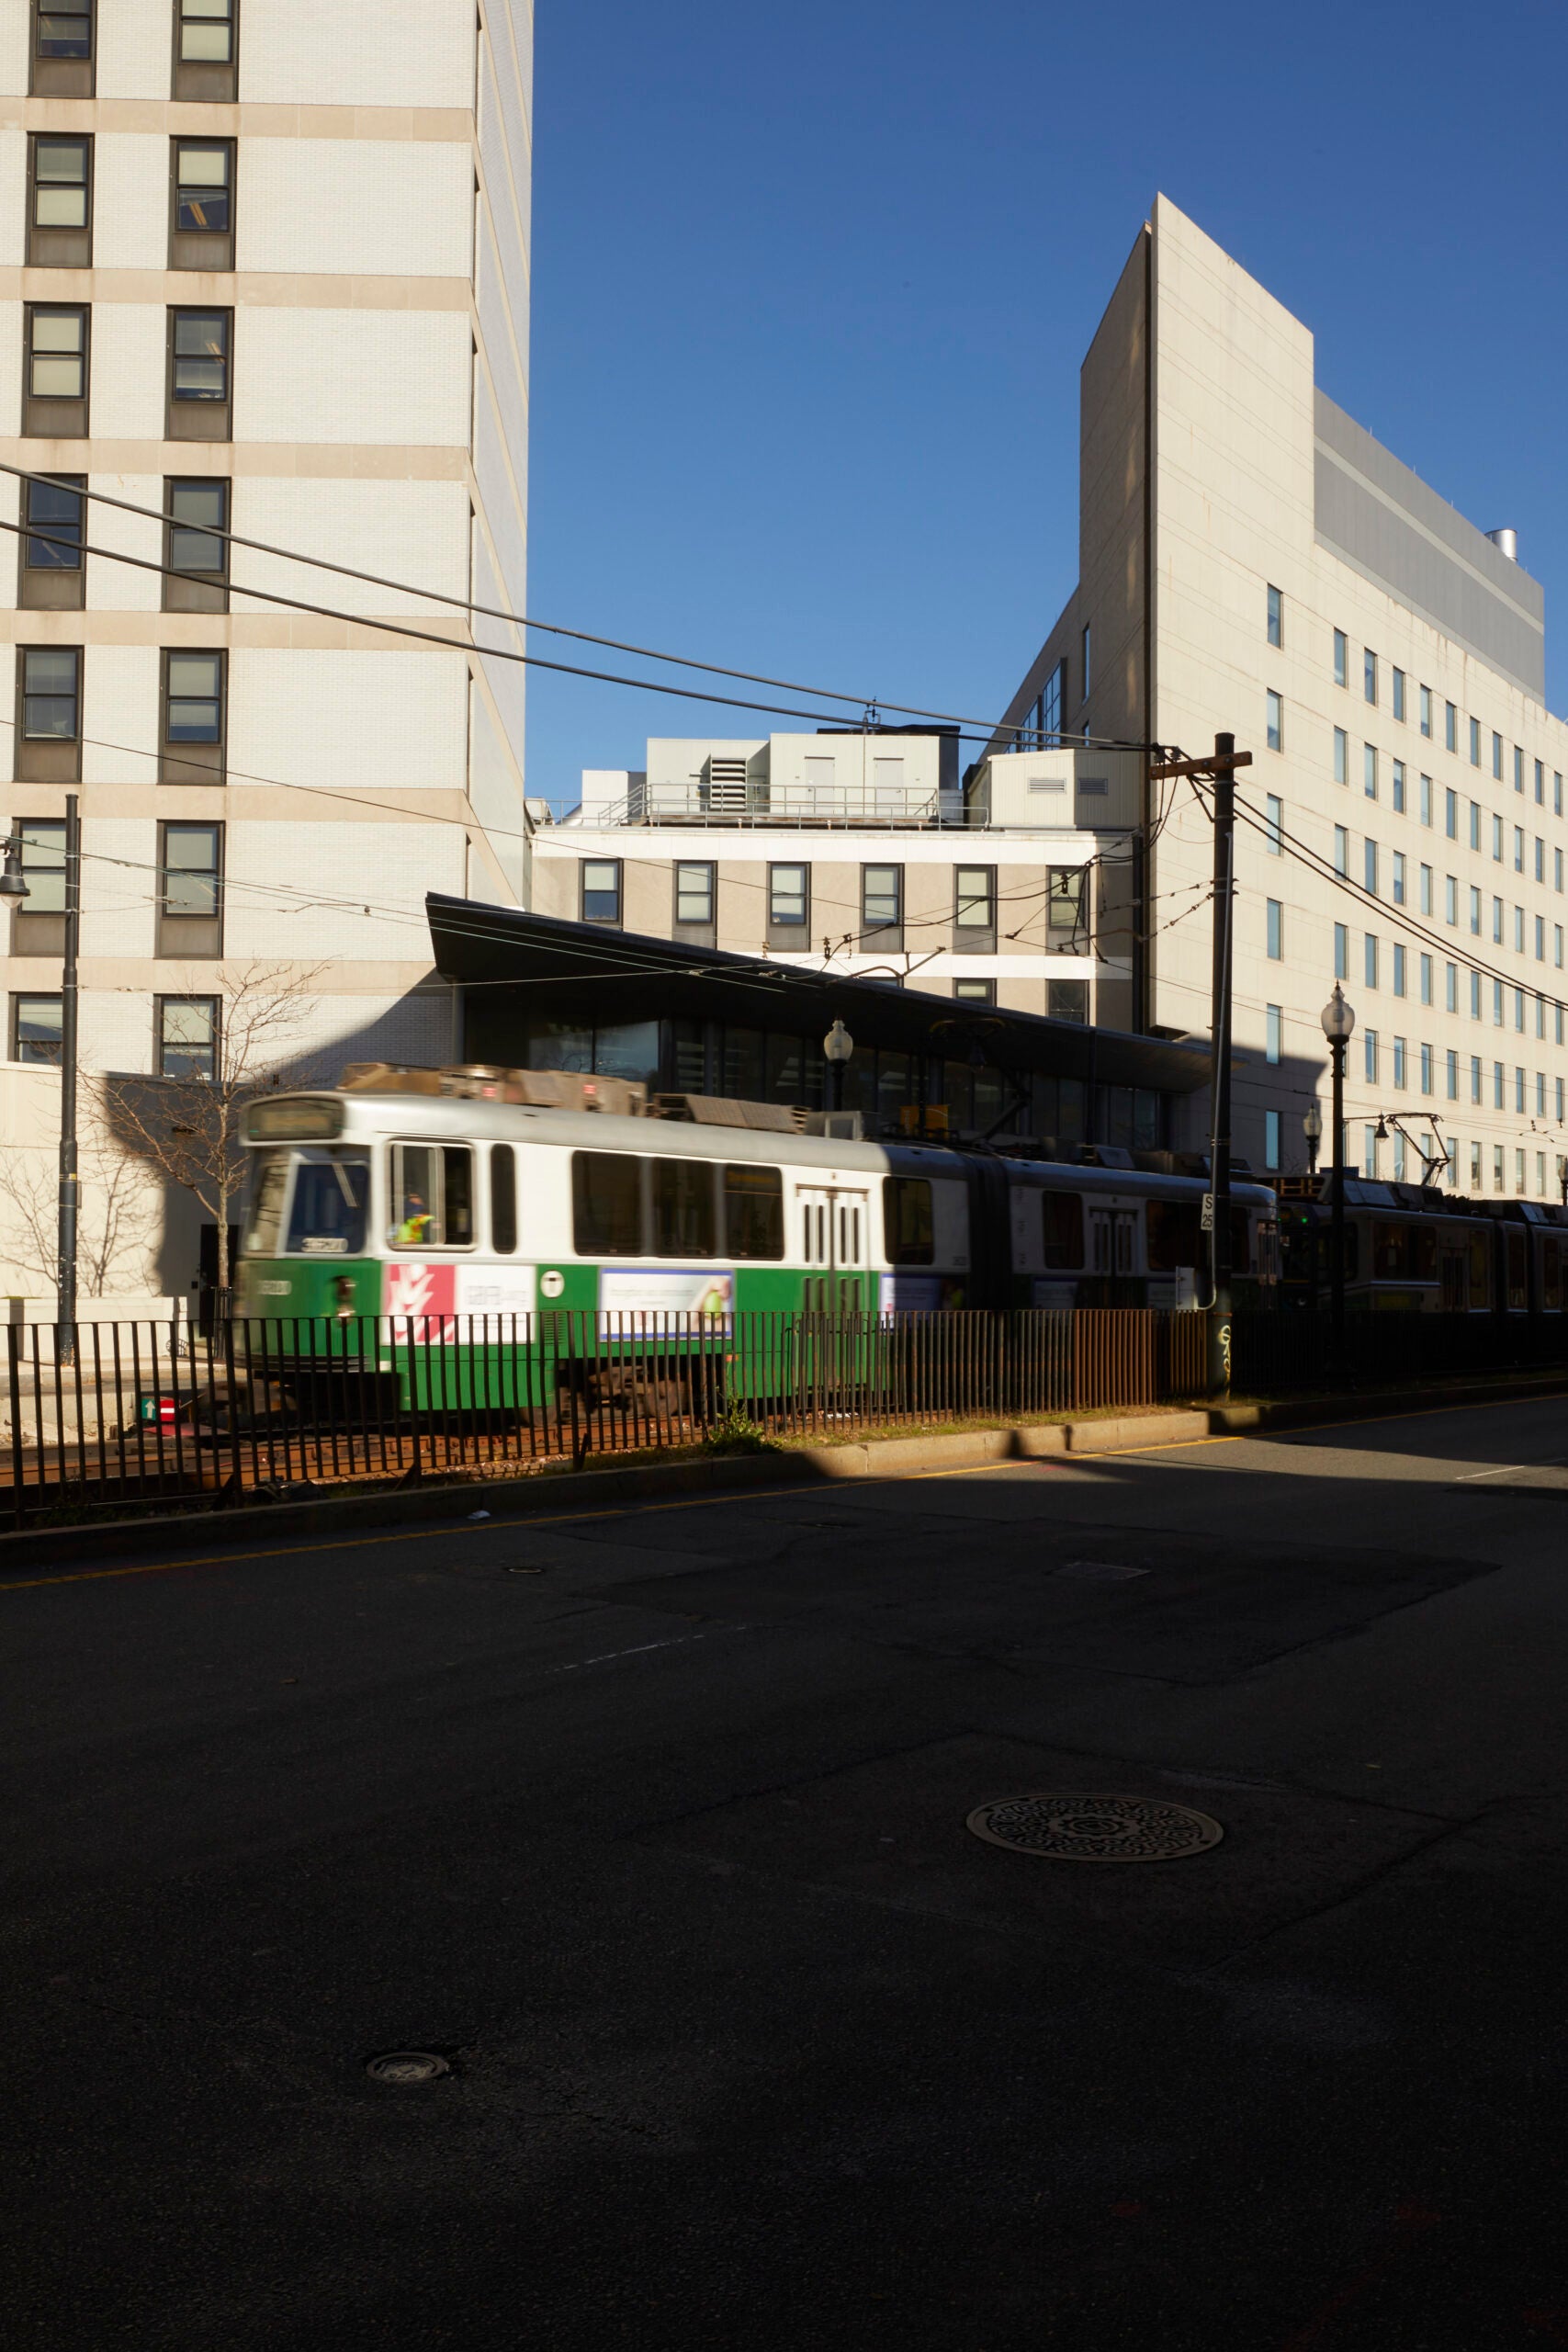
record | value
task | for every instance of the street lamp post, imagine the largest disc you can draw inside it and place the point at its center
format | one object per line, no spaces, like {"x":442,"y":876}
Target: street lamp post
{"x":1311,"y":1127}
{"x":836,"y":1047}
{"x":1338,"y":1022}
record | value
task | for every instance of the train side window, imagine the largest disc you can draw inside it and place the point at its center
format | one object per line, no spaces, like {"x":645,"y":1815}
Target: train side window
{"x":909,"y":1232}
{"x":1423,"y":1253}
{"x":682,"y":1209}
{"x":1389,"y":1258}
{"x":1062,"y":1217}
{"x":1480,"y":1271}
{"x":1551,"y":1274}
{"x":433,"y":1196}
{"x":502,"y":1200}
{"x":606,"y":1205}
{"x":1175,"y":1236}
{"x":753,"y":1213}
{"x":1515,"y":1270}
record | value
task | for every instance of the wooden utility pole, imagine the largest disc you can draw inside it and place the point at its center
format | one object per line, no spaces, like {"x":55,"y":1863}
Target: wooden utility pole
{"x":1221,"y":772}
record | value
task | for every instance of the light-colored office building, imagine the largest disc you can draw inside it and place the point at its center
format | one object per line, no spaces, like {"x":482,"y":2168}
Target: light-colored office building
{"x":264,"y":267}
{"x":866,"y":853}
{"x":1252,"y":560}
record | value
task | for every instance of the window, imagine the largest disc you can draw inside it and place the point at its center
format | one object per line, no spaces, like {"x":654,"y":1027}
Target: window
{"x":1369,"y":866}
{"x":1497,"y":757}
{"x":51,"y":577}
{"x":36,"y":1023}
{"x":1497,"y":841}
{"x":1518,"y":848}
{"x":432,"y":1196}
{"x":1399,"y":877}
{"x":1369,"y":959}
{"x":1401,"y":968}
{"x":1539,"y":859}
{"x":1276,"y":617}
{"x":1497,"y":922}
{"x":192,"y":749}
{"x":1518,"y":769}
{"x":974,"y":906}
{"x":1451,"y":1075}
{"x":882,"y":904}
{"x":1427,"y":972}
{"x":201,"y":197}
{"x":1271,"y":1139}
{"x":1499,"y":1180}
{"x":502,"y":1200}
{"x":205,"y":47}
{"x":190,"y":886}
{"x":1341,"y":659}
{"x":1426,"y":901}
{"x":60,"y":203}
{"x":1475,"y":825}
{"x":1477,"y":1079}
{"x":1342,"y":849}
{"x":1275,"y":720}
{"x":50,"y":690}
{"x":1276,"y":927}
{"x":1450,"y":728}
{"x":975,"y":992}
{"x":1273,"y":1032}
{"x":909,"y":1231}
{"x":789,"y":896}
{"x":1061,"y":1224}
{"x":1397,"y":786}
{"x":1475,"y":912}
{"x":1401,"y":1060}
{"x":1052,"y":705}
{"x":1450,"y":987}
{"x":753,"y":1213}
{"x":1450,"y":813}
{"x":1450,"y":898}
{"x":187,"y":1036}
{"x":55,"y":406}
{"x":606,"y":1205}
{"x":199,"y":388}
{"x":63,"y":49}
{"x":194,"y":545}
{"x":602,"y":889}
{"x":1399,"y":694}
{"x":1541,"y":784}
{"x":1369,"y":770}
{"x":1426,"y":710}
{"x":1475,"y":742}
{"x":1499,"y":1087}
{"x":682,"y":1202}
{"x":1368,"y":676}
{"x":1085,"y":658}
{"x":1067,"y":1001}
{"x":696,"y":893}
{"x":1475,"y":996}
{"x":1370,"y":1054}
{"x":1341,"y":756}
{"x":38,"y":927}
{"x":1341,"y":951}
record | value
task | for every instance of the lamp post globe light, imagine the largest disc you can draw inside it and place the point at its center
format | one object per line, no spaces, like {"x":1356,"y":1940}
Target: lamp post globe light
{"x":1311,"y":1127}
{"x":1338,"y":1022}
{"x":836,"y":1047}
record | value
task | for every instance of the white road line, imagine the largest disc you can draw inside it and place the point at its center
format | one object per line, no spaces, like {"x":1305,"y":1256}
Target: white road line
{"x":676,"y":1640}
{"x":1552,"y":1461}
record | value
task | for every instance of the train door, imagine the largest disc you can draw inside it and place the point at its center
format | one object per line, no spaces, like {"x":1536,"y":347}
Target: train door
{"x":835,"y":1237}
{"x":1112,"y":1255}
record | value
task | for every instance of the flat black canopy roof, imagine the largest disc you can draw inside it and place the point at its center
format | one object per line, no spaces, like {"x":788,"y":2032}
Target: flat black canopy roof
{"x":584,"y":971}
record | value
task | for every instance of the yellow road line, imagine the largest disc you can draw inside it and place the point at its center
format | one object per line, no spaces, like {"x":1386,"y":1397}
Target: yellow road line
{"x":728,"y":1495}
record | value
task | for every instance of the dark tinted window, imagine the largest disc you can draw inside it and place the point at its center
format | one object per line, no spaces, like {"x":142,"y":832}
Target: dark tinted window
{"x":1175,"y":1236}
{"x":503,"y":1200}
{"x":753,"y":1213}
{"x":682,"y":1209}
{"x":606,"y":1205}
{"x":328,"y":1216}
{"x":457,"y":1196}
{"x":907,"y":1221}
{"x":1062,"y":1219}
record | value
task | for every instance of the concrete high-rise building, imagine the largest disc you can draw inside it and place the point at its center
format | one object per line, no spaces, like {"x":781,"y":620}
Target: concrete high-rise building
{"x":1252,"y":560}
{"x":264,"y":266}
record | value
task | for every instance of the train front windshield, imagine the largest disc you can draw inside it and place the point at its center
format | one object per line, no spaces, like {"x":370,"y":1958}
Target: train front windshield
{"x":308,"y":1203}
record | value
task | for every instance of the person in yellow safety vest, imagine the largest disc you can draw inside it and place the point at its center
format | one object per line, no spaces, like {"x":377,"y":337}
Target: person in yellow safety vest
{"x":415,"y":1227}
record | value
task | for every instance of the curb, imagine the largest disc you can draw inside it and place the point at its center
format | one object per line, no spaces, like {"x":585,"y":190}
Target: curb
{"x":280,"y":1525}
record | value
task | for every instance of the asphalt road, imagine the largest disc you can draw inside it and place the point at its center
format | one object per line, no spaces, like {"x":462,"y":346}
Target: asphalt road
{"x":653,"y":1823}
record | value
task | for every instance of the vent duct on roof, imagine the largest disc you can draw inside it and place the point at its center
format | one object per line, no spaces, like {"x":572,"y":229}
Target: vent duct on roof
{"x":1506,"y":541}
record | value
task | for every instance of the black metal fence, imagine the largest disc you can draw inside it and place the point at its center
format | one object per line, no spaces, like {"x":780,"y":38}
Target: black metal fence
{"x":143,"y":1415}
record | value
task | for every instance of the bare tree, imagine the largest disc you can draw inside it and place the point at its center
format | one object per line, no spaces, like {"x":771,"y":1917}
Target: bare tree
{"x":116,"y":1215}
{"x":189,"y":1126}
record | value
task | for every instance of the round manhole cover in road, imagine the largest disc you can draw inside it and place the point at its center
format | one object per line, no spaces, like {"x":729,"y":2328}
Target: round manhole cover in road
{"x":402,"y":2067}
{"x":1071,"y":1828}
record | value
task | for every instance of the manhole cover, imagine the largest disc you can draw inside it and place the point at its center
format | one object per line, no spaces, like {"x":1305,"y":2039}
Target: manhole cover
{"x":404,"y":2066}
{"x":1069,"y":1828}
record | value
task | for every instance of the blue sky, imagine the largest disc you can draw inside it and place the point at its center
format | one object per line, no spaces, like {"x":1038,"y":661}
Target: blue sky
{"x":811,"y":287}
